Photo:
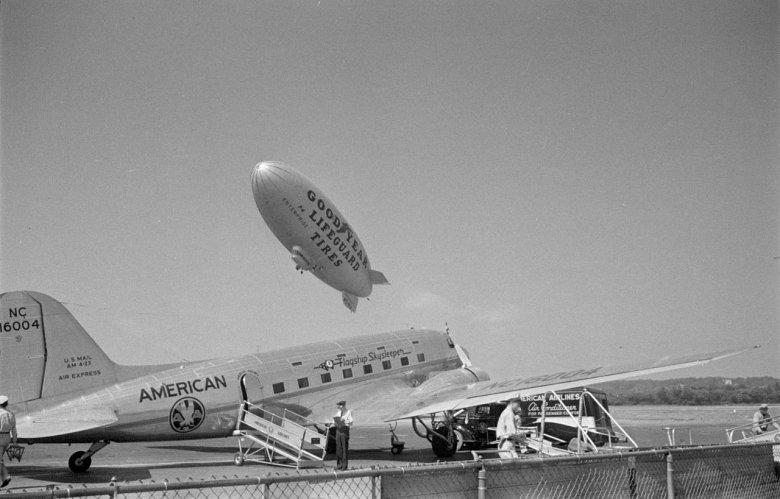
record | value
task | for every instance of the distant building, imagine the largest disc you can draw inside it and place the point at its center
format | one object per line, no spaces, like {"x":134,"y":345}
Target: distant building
{"x":727,"y":382}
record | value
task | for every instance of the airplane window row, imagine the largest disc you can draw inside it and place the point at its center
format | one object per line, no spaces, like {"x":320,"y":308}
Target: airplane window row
{"x":346,"y":373}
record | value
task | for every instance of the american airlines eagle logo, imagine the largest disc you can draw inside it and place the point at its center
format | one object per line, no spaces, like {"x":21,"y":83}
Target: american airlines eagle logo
{"x":187,"y":414}
{"x":327,"y":365}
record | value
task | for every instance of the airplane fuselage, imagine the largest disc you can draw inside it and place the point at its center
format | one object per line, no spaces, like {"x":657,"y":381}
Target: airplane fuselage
{"x":201,"y":399}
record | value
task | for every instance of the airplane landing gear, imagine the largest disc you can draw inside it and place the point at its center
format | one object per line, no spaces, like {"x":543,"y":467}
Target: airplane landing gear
{"x":444,"y":438}
{"x":80,"y":461}
{"x":396,"y":445}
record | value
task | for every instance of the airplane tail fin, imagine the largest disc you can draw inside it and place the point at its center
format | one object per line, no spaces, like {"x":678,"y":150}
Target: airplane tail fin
{"x":44,"y":351}
{"x":350,"y":301}
{"x":377,"y":277}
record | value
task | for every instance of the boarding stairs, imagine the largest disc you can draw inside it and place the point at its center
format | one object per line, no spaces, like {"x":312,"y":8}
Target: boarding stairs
{"x":743,"y":434}
{"x":545,"y":447}
{"x":286,"y":440}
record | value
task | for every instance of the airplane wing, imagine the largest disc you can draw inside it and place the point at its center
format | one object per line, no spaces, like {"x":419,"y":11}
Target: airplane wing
{"x":62,"y":421}
{"x":424,"y":401}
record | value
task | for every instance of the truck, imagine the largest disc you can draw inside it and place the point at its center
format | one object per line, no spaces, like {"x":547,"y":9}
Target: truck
{"x":557,"y":420}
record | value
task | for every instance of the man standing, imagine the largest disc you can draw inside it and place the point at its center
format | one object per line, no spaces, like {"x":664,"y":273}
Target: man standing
{"x":762,"y":420}
{"x":343,"y":420}
{"x":506,"y":430}
{"x":7,"y":434}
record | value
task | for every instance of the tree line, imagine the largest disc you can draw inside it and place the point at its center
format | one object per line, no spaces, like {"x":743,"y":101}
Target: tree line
{"x":693,"y":391}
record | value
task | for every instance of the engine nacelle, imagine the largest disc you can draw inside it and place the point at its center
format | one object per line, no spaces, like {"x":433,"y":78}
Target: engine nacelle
{"x":462,"y":376}
{"x":302,"y":262}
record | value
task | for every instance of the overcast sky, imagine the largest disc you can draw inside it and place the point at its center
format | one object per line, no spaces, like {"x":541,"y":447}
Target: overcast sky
{"x":560,"y":182}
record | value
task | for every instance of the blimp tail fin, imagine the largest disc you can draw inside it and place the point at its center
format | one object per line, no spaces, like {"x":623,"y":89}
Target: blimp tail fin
{"x":350,"y":301}
{"x":377,"y":277}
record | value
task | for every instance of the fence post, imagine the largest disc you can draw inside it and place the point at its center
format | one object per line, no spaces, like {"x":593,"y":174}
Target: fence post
{"x":669,"y":477}
{"x":632,"y":477}
{"x":481,"y":483}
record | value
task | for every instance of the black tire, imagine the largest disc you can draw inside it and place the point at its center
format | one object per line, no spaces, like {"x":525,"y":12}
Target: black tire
{"x":443,"y":447}
{"x":79,"y":468}
{"x":396,"y":449}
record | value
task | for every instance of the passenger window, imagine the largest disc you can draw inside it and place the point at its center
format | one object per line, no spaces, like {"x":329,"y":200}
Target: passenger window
{"x":303,"y":382}
{"x":325,"y":377}
{"x":367,"y":369}
{"x":347,"y":373}
{"x":386,"y":364}
{"x":420,"y":357}
{"x":279,"y":387}
{"x":404,"y":361}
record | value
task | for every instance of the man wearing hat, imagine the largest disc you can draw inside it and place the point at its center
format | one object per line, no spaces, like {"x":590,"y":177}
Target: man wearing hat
{"x":343,"y":420}
{"x":762,"y":420}
{"x":7,"y":434}
{"x":506,"y":430}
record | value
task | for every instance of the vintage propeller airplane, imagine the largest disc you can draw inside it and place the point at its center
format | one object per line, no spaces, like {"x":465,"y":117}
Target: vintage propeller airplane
{"x":64,"y":389}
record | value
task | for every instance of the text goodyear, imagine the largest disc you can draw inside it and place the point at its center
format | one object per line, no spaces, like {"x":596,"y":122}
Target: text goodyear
{"x":179,"y":388}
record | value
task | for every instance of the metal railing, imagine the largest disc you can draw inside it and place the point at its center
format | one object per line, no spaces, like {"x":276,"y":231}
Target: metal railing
{"x":746,"y":431}
{"x":277,"y":436}
{"x":583,"y":432}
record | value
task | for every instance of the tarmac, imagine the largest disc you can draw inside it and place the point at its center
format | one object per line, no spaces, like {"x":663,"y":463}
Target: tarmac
{"x":46,"y":465}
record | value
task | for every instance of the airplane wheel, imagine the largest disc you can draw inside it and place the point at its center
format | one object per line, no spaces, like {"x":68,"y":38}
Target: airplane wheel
{"x":459,"y":440}
{"x":396,"y":449}
{"x":441,"y":447}
{"x":83,"y":466}
{"x":238,"y":459}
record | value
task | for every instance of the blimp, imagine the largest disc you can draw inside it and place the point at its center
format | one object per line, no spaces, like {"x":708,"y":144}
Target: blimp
{"x":313,"y":230}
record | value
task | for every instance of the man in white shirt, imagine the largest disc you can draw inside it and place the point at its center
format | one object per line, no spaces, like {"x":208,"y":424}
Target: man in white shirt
{"x":506,"y":430}
{"x":343,"y":421}
{"x":7,"y":434}
{"x":762,"y":420}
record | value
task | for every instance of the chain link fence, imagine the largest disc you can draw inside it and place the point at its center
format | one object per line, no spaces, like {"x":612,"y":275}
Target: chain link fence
{"x":731,"y":471}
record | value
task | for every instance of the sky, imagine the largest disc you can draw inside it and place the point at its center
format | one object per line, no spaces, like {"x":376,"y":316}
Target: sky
{"x":558,"y":183}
